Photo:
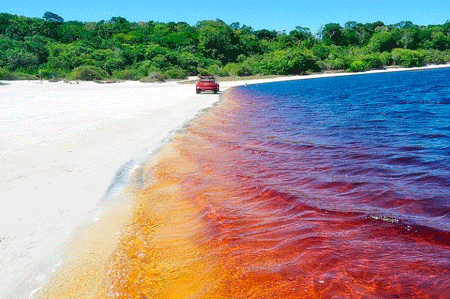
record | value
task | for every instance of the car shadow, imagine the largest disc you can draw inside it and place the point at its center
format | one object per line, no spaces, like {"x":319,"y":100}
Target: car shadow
{"x":210,"y":93}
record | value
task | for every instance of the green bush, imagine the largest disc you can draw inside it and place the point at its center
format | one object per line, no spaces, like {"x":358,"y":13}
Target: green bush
{"x":358,"y":66}
{"x":241,"y":58}
{"x":373,"y":61}
{"x":46,"y":74}
{"x":408,"y":58}
{"x":321,"y":52}
{"x":112,"y":64}
{"x":128,"y":74}
{"x":386,"y":58}
{"x":231,"y":68}
{"x":204,"y":72}
{"x":338,"y":64}
{"x":436,"y":57}
{"x":24,"y":76}
{"x":87,"y":73}
{"x":244,"y":69}
{"x":51,"y":74}
{"x":6,"y":75}
{"x":153,"y":78}
{"x":323,"y":66}
{"x":175,"y":73}
{"x":211,"y":70}
{"x":145,"y":68}
{"x":301,"y":63}
{"x":221,"y":72}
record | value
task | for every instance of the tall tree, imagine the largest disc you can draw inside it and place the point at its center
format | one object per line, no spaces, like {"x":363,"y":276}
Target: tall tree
{"x":301,"y":33}
{"x":218,"y":41}
{"x":50,"y":16}
{"x":332,"y":34}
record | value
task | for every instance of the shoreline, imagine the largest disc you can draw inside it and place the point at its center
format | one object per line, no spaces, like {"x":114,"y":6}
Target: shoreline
{"x":74,"y":163}
{"x":339,"y":74}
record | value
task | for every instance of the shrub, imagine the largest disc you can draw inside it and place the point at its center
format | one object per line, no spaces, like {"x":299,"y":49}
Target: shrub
{"x":145,"y":68}
{"x":244,"y":70}
{"x":435,"y":57}
{"x":241,"y":58}
{"x":373,"y":61}
{"x":6,"y":75}
{"x":51,"y":74}
{"x":321,"y":52}
{"x":45,"y":74}
{"x":338,"y":64}
{"x":127,"y":74}
{"x":358,"y":66}
{"x":87,"y":73}
{"x":112,"y":64}
{"x":204,"y":72}
{"x":386,"y":58}
{"x":176,"y":73}
{"x":24,"y":76}
{"x":301,"y":64}
{"x":231,"y":68}
{"x":211,"y":70}
{"x":153,"y":78}
{"x":408,"y":58}
{"x":323,"y":66}
{"x":21,"y":59}
{"x":222,"y":73}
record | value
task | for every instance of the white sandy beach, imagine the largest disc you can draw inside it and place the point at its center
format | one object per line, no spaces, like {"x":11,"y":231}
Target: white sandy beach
{"x":61,"y":145}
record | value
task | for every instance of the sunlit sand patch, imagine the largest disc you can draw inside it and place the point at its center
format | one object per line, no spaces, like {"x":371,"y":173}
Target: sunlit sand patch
{"x":82,"y":273}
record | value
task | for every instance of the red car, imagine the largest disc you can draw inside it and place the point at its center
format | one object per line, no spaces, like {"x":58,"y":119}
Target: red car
{"x":207,"y":83}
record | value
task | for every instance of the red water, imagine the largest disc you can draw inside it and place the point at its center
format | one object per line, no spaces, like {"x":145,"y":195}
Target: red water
{"x":224,"y":217}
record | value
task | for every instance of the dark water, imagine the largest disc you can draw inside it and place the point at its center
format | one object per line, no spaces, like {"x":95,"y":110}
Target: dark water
{"x":377,"y":144}
{"x":323,"y":188}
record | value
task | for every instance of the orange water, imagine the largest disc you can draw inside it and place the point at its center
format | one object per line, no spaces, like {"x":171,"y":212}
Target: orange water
{"x":205,"y":227}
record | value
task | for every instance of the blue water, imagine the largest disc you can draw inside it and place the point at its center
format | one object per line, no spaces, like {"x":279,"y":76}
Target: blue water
{"x":389,"y":131}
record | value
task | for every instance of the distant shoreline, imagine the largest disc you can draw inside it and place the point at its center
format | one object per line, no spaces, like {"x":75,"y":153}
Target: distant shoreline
{"x":232,"y":81}
{"x":335,"y":74}
{"x":228,"y":82}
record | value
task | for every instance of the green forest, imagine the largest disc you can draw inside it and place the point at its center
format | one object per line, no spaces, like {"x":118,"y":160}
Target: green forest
{"x":51,"y":48}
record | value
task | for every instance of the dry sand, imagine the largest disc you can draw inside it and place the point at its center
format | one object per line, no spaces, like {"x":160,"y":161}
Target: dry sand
{"x":60,"y":147}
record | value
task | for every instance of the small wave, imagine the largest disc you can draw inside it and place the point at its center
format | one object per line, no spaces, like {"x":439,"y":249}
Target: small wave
{"x":422,"y":232}
{"x":409,"y":160}
{"x":432,"y":136}
{"x":411,"y":148}
{"x":434,"y":179}
{"x":121,"y":177}
{"x":340,"y":186}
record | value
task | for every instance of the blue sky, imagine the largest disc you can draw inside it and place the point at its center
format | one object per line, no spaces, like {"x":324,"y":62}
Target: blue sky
{"x":273,"y":15}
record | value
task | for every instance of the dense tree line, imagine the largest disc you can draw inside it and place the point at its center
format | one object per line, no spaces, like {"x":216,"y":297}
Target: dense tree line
{"x":51,"y":47}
